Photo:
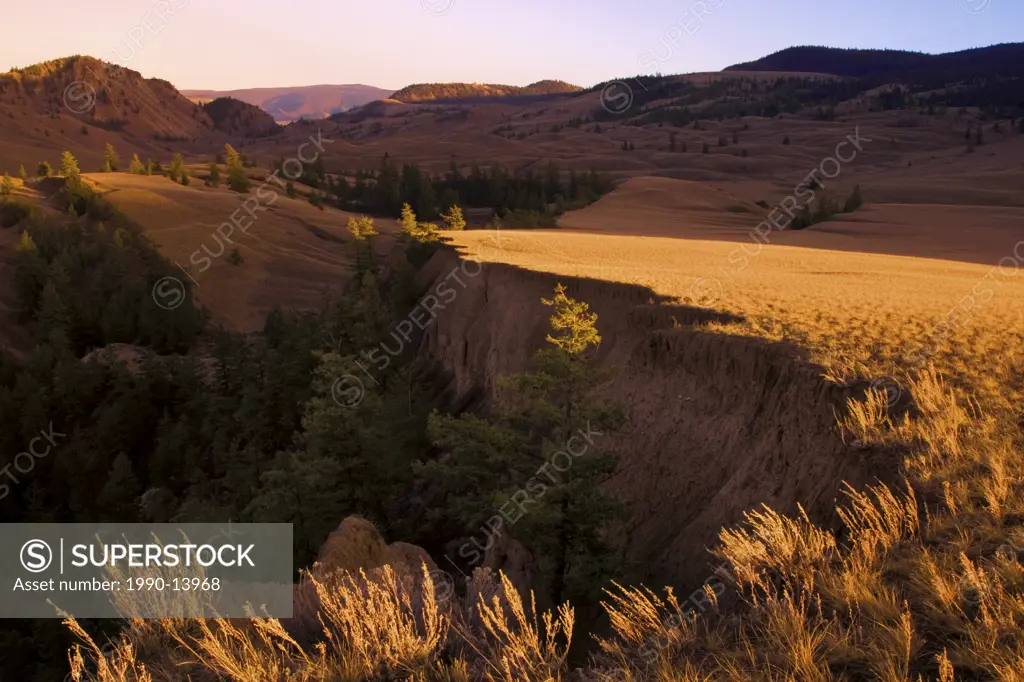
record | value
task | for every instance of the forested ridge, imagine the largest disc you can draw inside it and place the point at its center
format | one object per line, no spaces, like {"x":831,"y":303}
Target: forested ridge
{"x":160,"y":416}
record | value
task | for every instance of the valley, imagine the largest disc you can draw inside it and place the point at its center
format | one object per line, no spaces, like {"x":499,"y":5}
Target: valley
{"x":784,"y":307}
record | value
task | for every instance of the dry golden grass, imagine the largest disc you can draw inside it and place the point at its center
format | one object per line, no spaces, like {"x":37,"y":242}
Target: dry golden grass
{"x":893,"y":598}
{"x":377,"y":626}
{"x":856,"y":314}
{"x":918,"y":584}
{"x":294,"y":253}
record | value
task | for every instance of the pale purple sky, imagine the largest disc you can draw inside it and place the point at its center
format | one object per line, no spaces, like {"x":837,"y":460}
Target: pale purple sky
{"x":227,"y":44}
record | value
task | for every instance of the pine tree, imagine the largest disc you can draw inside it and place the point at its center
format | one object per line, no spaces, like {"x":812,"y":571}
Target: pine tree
{"x":231,"y":157}
{"x":854,"y":201}
{"x":44,"y":169}
{"x":21,"y":173}
{"x":110,"y":158}
{"x":453,"y":219}
{"x":213,"y":179}
{"x":6,"y":185}
{"x":238,"y":180}
{"x":135,"y":166}
{"x":69,"y":167}
{"x":408,"y":220}
{"x":342,"y":190}
{"x":184,"y":178}
{"x":705,"y":149}
{"x":26,"y":244}
{"x":117,"y":497}
{"x":177,"y":168}
{"x":290,"y":190}
{"x":450,"y":198}
{"x":494,"y":463}
{"x":426,"y":202}
{"x":387,"y":192}
{"x":361,"y":228}
{"x":54,"y":312}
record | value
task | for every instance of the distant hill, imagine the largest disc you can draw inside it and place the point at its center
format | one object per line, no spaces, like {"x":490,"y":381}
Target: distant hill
{"x":1005,"y":60}
{"x":288,"y":104}
{"x":101,"y":95}
{"x":236,"y":117}
{"x":426,"y":92}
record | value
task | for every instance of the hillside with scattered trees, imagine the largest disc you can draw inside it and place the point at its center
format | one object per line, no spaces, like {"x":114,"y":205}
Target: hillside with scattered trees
{"x":428,"y":92}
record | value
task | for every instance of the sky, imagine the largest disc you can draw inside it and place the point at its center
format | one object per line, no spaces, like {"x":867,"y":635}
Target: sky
{"x":232,"y":44}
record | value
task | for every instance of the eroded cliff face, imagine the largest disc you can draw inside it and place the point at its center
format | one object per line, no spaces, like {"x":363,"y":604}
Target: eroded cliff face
{"x":718,"y":424}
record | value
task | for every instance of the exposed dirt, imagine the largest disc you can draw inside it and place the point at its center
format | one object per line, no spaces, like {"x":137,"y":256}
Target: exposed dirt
{"x":717,"y":424}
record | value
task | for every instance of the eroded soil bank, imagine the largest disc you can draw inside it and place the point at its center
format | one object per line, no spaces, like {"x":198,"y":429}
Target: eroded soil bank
{"x":717,"y":424}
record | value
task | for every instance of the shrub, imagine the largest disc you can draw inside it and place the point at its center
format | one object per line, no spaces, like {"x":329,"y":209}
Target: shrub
{"x":785,"y":140}
{"x":44,"y":170}
{"x":827,"y":208}
{"x":528,"y":220}
{"x":235,"y":257}
{"x":803,"y":220}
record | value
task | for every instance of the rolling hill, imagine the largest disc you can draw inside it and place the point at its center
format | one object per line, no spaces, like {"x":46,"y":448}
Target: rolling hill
{"x":1004,"y":60}
{"x":428,"y":92}
{"x":80,"y":104}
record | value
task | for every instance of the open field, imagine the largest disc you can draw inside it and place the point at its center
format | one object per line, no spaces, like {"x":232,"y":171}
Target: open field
{"x":847,"y":306}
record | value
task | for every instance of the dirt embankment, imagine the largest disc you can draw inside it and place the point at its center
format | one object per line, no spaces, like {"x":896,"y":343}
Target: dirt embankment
{"x":718,"y":424}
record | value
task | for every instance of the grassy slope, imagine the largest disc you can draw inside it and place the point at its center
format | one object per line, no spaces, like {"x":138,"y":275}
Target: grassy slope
{"x":294,"y":253}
